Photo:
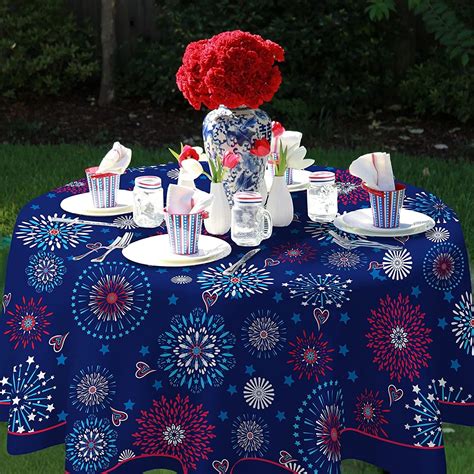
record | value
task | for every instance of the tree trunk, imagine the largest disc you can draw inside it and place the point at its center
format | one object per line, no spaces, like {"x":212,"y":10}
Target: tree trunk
{"x":108,"y":41}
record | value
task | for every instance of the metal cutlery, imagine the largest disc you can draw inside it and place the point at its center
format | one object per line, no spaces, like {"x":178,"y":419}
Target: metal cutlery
{"x":233,"y":268}
{"x":123,"y":242}
{"x":101,"y":247}
{"x":67,"y":220}
{"x":351,"y":244}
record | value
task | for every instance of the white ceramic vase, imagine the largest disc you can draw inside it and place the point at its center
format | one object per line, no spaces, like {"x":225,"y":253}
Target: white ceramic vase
{"x":280,"y":204}
{"x":218,"y":222}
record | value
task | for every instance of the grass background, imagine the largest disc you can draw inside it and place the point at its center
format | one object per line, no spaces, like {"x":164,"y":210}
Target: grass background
{"x":27,"y":171}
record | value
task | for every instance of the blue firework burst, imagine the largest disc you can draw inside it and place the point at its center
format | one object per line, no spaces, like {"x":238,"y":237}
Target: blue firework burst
{"x":196,"y":350}
{"x":463,"y":323}
{"x":443,"y":266}
{"x":91,"y":444}
{"x":320,"y":290}
{"x":111,"y":300}
{"x":318,"y":428}
{"x":92,"y":389}
{"x":42,"y":233}
{"x":264,"y":334}
{"x":246,"y":281}
{"x":344,"y":260}
{"x":45,"y":271}
{"x":432,"y":206}
{"x":30,"y":393}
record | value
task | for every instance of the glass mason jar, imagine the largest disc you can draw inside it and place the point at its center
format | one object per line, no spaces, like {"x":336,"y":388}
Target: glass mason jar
{"x":251,"y":223}
{"x":322,"y":196}
{"x":148,"y":201}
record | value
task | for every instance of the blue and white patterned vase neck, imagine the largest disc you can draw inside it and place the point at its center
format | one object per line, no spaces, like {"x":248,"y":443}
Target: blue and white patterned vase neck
{"x":237,"y":129}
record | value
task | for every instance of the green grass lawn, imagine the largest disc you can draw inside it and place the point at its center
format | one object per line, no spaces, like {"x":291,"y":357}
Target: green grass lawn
{"x":27,"y":171}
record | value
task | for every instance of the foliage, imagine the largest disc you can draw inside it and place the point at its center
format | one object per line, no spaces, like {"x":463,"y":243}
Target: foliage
{"x":42,"y":51}
{"x":440,"y":19}
{"x":438,"y":86}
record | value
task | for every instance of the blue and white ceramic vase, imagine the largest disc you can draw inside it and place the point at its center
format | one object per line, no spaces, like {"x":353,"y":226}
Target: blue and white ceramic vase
{"x":226,"y":129}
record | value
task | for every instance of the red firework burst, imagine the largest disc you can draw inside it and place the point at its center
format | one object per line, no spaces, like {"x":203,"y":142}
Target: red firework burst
{"x":111,"y":297}
{"x":296,"y":252}
{"x":28,"y":323}
{"x":349,"y":189}
{"x":175,"y":427}
{"x":310,"y":356}
{"x":370,"y":414}
{"x":443,"y":266}
{"x":399,"y":338}
{"x":328,"y":430}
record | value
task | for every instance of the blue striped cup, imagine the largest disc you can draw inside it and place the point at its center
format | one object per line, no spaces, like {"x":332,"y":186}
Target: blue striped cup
{"x":386,"y":206}
{"x":103,"y":187}
{"x":184,"y":231}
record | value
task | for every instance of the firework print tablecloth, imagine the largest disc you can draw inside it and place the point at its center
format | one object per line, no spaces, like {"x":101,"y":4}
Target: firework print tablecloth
{"x":307,"y":355}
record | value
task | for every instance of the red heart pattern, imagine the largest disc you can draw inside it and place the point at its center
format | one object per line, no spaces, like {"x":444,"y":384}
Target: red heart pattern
{"x":209,"y":299}
{"x":221,"y":466}
{"x":143,"y":369}
{"x":6,"y":301}
{"x":321,"y":316}
{"x":269,"y":262}
{"x":285,"y":457}
{"x":394,"y":394}
{"x":375,"y":265}
{"x":118,"y":417}
{"x":58,"y":342}
{"x":94,"y":246}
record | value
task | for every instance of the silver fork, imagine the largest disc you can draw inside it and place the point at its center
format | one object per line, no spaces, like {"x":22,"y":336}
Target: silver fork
{"x":351,"y":244}
{"x":124,"y":242}
{"x":102,"y":247}
{"x":233,"y":268}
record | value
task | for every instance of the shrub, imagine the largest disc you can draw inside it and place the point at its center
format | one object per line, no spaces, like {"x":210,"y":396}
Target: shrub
{"x":42,"y":51}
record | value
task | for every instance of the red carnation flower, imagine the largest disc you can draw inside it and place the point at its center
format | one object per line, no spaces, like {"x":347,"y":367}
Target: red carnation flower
{"x":233,"y":68}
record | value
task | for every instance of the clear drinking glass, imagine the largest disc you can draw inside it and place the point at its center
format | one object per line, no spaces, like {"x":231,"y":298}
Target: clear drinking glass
{"x":148,"y":202}
{"x":251,"y":223}
{"x":322,"y":196}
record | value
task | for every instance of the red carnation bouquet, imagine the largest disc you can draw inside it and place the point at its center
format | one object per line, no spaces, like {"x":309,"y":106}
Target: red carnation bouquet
{"x":234,"y":68}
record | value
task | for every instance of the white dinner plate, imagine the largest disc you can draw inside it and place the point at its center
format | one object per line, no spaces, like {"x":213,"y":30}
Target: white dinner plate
{"x":82,"y":205}
{"x":156,"y":252}
{"x":300,"y":180}
{"x":360,"y":222}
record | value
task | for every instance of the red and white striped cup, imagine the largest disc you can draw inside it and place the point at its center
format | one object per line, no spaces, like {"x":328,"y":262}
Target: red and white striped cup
{"x":386,"y":205}
{"x":184,"y":231}
{"x":103,"y":187}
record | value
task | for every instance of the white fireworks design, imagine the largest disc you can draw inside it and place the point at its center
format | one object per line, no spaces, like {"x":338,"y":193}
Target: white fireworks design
{"x":30,"y":395}
{"x":125,"y":455}
{"x":174,"y":434}
{"x":320,"y":290}
{"x":246,"y":281}
{"x":92,"y":389}
{"x":463,"y":323}
{"x":397,"y":264}
{"x":181,"y":279}
{"x":263,"y":334}
{"x":42,"y":233}
{"x":250,"y":436}
{"x":173,"y":174}
{"x":320,"y":231}
{"x":427,"y":420}
{"x":125,"y":222}
{"x":344,"y":259}
{"x":437,"y":234}
{"x":259,"y":393}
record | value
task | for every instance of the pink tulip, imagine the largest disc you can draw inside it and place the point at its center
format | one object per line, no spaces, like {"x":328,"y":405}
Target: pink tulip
{"x":230,"y":159}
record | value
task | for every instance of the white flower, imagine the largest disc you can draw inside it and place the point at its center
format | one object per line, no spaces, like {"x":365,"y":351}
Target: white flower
{"x":437,"y":234}
{"x":191,"y":169}
{"x":201,"y":153}
{"x":259,"y":393}
{"x":397,"y":264}
{"x":295,"y":158}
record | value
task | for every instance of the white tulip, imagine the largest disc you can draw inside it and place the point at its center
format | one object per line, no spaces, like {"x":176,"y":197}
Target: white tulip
{"x":191,"y":168}
{"x":295,"y":158}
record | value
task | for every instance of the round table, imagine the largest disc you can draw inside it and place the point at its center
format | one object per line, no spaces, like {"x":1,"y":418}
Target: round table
{"x":307,"y":355}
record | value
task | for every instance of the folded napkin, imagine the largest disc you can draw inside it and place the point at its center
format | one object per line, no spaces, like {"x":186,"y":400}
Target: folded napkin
{"x":184,"y":200}
{"x":375,"y":170}
{"x":116,"y":160}
{"x":287,"y":139}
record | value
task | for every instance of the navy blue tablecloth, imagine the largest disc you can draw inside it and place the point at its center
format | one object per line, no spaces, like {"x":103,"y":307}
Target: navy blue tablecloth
{"x":308,"y":355}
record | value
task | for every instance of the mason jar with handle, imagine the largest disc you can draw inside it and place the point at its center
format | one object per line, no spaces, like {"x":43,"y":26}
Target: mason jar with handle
{"x":251,"y":223}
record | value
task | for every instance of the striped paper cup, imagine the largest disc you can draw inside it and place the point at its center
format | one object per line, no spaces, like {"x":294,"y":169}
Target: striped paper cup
{"x":184,"y":231}
{"x":386,"y":206}
{"x":103,"y":187}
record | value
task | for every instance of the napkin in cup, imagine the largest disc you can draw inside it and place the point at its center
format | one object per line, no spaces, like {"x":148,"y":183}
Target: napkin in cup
{"x":116,"y":160}
{"x":184,"y":200}
{"x":375,"y":170}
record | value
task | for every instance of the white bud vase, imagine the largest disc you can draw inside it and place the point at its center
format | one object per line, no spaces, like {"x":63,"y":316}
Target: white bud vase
{"x":280,"y":204}
{"x":218,"y":222}
{"x":185,"y":180}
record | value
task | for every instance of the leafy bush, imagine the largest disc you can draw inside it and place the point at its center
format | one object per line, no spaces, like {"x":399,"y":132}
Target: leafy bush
{"x":439,"y":86}
{"x":42,"y":51}
{"x":336,"y":60}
